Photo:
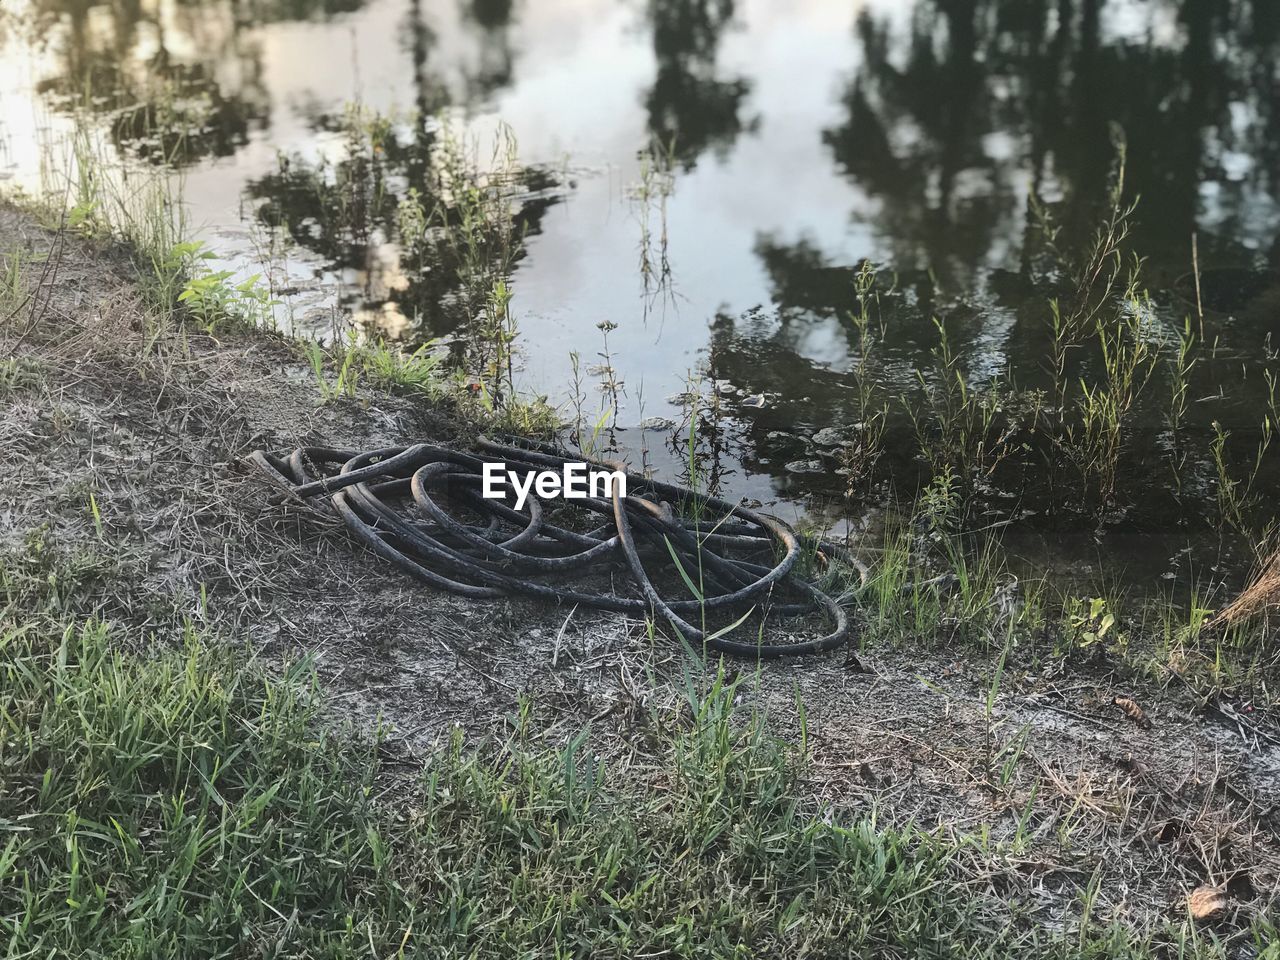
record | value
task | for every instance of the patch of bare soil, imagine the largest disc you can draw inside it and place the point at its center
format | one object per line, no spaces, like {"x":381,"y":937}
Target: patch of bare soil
{"x":1078,"y":777}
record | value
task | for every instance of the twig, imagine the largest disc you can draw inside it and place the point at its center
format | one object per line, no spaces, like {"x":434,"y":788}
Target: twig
{"x":1195,"y":269}
{"x":555,"y":654}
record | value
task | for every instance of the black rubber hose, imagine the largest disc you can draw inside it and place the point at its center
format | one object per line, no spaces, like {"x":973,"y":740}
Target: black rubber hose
{"x":397,"y":502}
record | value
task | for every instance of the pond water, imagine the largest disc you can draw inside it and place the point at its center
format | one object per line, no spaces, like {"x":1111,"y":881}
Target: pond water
{"x":706,"y":179}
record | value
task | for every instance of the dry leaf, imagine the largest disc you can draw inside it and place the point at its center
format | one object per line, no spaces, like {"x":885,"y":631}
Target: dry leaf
{"x":1134,"y":766}
{"x":1206,"y":901}
{"x":1132,"y":711}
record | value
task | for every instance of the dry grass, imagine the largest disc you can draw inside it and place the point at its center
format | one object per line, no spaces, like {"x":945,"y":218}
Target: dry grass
{"x":1261,"y":598}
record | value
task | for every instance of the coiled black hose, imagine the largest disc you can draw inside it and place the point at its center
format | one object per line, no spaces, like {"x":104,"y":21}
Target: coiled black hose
{"x":746,"y":561}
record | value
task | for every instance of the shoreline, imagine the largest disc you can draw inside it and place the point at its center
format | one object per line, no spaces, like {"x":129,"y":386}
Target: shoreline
{"x":130,"y":506}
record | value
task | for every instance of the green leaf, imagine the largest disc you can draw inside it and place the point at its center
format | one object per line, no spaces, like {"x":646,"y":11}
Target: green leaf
{"x":680,"y":568}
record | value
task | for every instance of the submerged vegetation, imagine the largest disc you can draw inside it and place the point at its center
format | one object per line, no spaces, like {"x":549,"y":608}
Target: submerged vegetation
{"x":1072,"y":432}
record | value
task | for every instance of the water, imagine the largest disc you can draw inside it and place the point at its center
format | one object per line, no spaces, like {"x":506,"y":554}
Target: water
{"x":803,"y":139}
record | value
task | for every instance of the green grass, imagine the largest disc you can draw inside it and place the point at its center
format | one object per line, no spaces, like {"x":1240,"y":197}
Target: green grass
{"x":342,"y":369}
{"x":186,"y":801}
{"x":934,"y":583}
{"x":12,"y":287}
{"x":417,"y":371}
{"x":19,"y":373}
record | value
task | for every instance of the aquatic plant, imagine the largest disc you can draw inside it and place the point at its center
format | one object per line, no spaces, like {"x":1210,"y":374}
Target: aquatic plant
{"x":1095,"y":443}
{"x":650,"y":196}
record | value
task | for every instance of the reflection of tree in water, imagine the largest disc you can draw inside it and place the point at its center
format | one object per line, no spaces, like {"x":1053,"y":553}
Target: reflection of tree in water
{"x":429,"y":91}
{"x":493,"y":71}
{"x":375,"y":214}
{"x":912,"y":131}
{"x":119,"y":60}
{"x":952,"y":120}
{"x":490,"y":23}
{"x":945,"y":123}
{"x":489,"y":14}
{"x":271,"y":11}
{"x":811,"y":293}
{"x":690,"y":105}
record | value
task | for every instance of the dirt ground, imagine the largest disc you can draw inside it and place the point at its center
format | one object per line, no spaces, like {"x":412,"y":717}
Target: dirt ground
{"x":1144,"y":810}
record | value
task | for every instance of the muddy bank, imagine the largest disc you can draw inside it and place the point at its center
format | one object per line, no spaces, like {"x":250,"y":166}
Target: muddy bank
{"x":123,"y":440}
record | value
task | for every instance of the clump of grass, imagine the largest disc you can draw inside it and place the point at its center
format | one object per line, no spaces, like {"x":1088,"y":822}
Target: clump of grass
{"x":525,"y":416}
{"x":108,"y":198}
{"x":19,"y":373}
{"x":1237,"y":495}
{"x":458,"y":220}
{"x":111,"y":199}
{"x":417,"y":371}
{"x":470,"y":216}
{"x":380,"y":364}
{"x":934,"y":580}
{"x":12,"y":285}
{"x":1007,"y":433}
{"x":348,"y":373}
{"x":1066,"y":440}
{"x":1104,"y":407}
{"x":1211,"y":646}
{"x":958,"y":428}
{"x":341,"y":369}
{"x":861,"y":454}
